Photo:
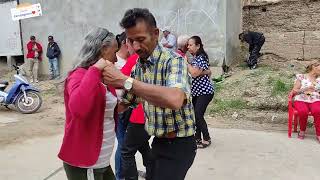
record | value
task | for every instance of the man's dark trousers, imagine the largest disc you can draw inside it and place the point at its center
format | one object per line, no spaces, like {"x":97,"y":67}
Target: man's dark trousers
{"x":254,"y":51}
{"x":172,"y":157}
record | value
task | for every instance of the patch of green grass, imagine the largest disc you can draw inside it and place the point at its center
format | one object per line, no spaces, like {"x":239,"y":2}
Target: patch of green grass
{"x":219,"y":105}
{"x":256,"y":73}
{"x":243,"y":65}
{"x":265,"y":67}
{"x":218,"y":87}
{"x":280,"y":87}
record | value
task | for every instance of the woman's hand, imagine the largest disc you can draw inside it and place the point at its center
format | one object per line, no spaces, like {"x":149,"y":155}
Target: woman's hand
{"x":101,"y":64}
{"x":207,"y":72}
{"x":194,"y":71}
{"x":309,"y":90}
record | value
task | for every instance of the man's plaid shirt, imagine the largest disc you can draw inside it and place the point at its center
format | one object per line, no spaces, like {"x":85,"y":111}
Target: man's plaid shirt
{"x":165,"y":68}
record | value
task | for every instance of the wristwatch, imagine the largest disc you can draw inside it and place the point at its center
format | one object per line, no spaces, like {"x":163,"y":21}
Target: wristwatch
{"x":128,"y":84}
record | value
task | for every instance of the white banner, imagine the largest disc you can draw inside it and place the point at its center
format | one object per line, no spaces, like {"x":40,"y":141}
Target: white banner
{"x":26,"y":12}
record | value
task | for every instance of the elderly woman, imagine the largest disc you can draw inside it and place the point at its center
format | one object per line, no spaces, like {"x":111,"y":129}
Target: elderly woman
{"x":307,"y":99}
{"x":182,"y":43}
{"x":202,"y":89}
{"x":90,"y":107}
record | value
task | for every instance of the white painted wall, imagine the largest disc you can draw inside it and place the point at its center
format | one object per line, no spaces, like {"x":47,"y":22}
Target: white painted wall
{"x":68,"y":21}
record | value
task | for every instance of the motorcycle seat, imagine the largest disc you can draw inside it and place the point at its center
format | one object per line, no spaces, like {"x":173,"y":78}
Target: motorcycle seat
{"x":6,"y":83}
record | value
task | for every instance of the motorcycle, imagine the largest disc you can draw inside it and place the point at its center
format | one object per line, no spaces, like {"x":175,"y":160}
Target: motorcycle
{"x":22,"y":94}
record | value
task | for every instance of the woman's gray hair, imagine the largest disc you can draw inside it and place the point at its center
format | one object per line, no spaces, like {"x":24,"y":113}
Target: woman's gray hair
{"x":182,"y":40}
{"x":94,"y":41}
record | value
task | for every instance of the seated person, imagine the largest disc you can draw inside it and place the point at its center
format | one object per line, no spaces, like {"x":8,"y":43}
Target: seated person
{"x":307,"y":99}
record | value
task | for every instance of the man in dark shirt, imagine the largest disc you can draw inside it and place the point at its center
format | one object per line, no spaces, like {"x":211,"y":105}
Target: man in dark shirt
{"x":53,"y":52}
{"x":255,"y":41}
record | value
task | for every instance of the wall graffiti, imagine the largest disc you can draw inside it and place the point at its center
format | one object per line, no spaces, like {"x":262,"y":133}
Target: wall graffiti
{"x":202,"y":22}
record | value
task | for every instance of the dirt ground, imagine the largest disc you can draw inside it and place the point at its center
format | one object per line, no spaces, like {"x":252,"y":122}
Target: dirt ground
{"x":49,"y":120}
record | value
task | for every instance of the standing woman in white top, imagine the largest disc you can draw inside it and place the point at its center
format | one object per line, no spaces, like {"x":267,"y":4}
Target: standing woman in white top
{"x":307,"y":99}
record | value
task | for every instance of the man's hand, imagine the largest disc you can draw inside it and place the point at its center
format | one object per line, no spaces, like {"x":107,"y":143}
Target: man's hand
{"x":100,"y":64}
{"x":112,"y":76}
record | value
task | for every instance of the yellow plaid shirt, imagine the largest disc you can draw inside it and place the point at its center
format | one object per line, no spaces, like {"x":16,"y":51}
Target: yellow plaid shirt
{"x":165,"y":68}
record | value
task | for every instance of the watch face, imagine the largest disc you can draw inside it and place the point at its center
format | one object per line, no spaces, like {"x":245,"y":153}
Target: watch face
{"x":127,"y":85}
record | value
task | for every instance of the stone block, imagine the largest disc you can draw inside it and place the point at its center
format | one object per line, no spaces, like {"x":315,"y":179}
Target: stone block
{"x":285,"y":37}
{"x":311,"y":52}
{"x":312,"y":38}
{"x":293,"y":51}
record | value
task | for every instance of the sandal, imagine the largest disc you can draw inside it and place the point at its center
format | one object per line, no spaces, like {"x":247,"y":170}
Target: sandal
{"x":198,"y":141}
{"x":204,"y":145}
{"x":301,"y":136}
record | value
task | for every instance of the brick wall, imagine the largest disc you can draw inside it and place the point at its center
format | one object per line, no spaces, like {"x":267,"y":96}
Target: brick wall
{"x":291,"y":27}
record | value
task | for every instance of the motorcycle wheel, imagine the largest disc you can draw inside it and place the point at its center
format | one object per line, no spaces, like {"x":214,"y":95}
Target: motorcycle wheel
{"x":29,"y":105}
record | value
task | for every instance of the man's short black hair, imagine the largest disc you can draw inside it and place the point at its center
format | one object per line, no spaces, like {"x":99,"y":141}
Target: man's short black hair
{"x":50,"y":37}
{"x":132,"y":16}
{"x":32,"y":37}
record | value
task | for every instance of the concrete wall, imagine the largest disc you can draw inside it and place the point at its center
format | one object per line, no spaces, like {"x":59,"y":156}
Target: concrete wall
{"x":291,"y":27}
{"x":68,"y":21}
{"x":233,"y":28}
{"x":10,"y":40}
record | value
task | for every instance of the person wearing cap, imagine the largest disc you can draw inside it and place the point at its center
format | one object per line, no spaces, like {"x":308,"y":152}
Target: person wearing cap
{"x":34,"y":57}
{"x":53,"y":52}
{"x":168,"y":40}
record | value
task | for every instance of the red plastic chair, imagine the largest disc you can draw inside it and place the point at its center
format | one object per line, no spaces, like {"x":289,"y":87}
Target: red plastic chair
{"x":292,"y":115}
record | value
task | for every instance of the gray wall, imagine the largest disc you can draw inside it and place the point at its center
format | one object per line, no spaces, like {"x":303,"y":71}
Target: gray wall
{"x":10,"y":40}
{"x":68,"y":21}
{"x":233,"y":28}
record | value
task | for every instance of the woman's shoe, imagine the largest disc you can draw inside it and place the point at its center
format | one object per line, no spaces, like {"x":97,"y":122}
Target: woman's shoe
{"x":198,"y":141}
{"x":204,"y":144}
